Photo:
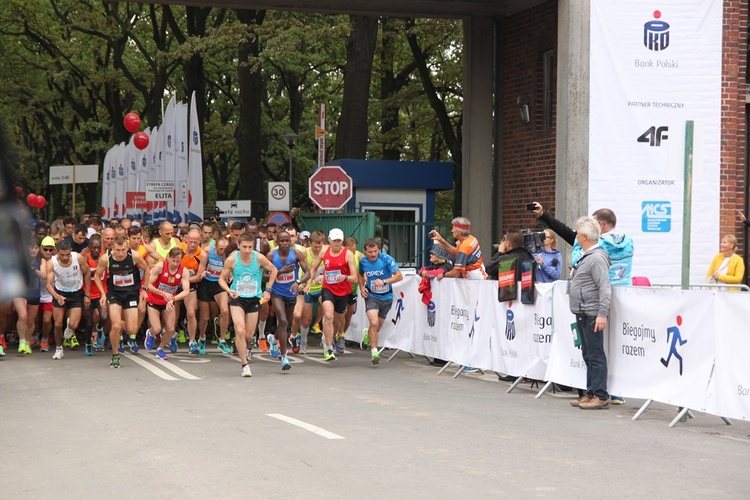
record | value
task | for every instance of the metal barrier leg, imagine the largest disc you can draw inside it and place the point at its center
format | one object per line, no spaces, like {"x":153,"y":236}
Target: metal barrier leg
{"x":642,"y":409}
{"x":460,"y":369}
{"x":726,"y":420}
{"x":544,"y":389}
{"x":394,"y":354}
{"x":445,"y":366}
{"x":514,"y":384}
{"x":683,"y":414}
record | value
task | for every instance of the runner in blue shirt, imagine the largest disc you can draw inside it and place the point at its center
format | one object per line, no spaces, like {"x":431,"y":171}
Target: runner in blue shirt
{"x":377,"y":272}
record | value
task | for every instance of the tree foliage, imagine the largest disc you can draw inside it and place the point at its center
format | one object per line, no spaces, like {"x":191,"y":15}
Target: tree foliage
{"x":71,"y":69}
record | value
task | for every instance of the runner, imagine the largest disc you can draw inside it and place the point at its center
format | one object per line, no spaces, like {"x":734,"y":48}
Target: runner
{"x":284,"y":294}
{"x":245,"y":266}
{"x":350,"y":243}
{"x":123,"y":292}
{"x":261,"y":245}
{"x":165,"y":279}
{"x":69,"y":282}
{"x":45,"y":298}
{"x":28,"y":305}
{"x":96,"y":313}
{"x":165,"y":242}
{"x":212,"y":263}
{"x":338,"y":276}
{"x":377,"y":273}
{"x":191,"y":261}
{"x":313,"y":290}
{"x":136,"y":245}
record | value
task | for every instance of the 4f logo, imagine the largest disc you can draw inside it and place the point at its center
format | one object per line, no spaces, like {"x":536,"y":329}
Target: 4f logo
{"x":654,"y":135}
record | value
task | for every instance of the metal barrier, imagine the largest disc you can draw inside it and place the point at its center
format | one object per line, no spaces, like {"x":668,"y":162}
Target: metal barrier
{"x":721,"y":287}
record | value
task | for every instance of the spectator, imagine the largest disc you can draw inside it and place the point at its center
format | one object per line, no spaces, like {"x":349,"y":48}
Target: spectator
{"x":466,"y":255}
{"x":549,"y":260}
{"x":440,"y":262}
{"x":79,"y":239}
{"x":511,"y":247}
{"x":589,"y":299}
{"x":727,"y":266}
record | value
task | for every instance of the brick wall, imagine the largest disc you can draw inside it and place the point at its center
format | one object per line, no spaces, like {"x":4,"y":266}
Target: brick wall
{"x":733,"y":81}
{"x":528,"y":149}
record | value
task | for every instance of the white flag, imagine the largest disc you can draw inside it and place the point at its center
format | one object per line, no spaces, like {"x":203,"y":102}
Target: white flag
{"x":195,"y":162}
{"x":181,"y":163}
{"x":105,"y":185}
{"x":122,"y":158}
{"x":168,"y":168}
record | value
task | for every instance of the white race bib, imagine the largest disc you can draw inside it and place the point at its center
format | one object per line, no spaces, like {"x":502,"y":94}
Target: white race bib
{"x":123,"y":280}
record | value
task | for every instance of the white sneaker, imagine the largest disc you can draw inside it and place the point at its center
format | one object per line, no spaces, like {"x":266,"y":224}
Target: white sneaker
{"x":303,"y":347}
{"x":248,"y":354}
{"x":58,"y":353}
{"x":246,"y":371}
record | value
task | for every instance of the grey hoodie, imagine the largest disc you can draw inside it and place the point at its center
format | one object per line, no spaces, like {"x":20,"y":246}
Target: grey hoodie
{"x":589,"y":286}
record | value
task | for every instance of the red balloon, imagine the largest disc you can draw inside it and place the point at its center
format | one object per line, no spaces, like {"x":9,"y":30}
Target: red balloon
{"x":40,"y":202}
{"x":140,"y":140}
{"x":19,"y":191}
{"x":31,"y":200}
{"x":132,"y":122}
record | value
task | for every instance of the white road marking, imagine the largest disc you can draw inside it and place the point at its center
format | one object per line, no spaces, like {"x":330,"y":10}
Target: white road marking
{"x":176,"y":369}
{"x":148,"y":366}
{"x":304,"y":425}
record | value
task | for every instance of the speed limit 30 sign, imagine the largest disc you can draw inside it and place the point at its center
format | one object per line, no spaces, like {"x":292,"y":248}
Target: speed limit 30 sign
{"x":278,"y":196}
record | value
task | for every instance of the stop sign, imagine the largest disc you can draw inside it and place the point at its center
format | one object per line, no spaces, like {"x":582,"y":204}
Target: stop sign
{"x":330,"y":188}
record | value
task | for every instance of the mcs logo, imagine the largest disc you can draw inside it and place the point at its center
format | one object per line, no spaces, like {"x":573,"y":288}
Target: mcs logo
{"x":654,"y":135}
{"x":656,"y":34}
{"x":656,"y":216}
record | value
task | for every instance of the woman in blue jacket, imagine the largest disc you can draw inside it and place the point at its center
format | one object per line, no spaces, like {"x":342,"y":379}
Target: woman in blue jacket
{"x":549,"y":260}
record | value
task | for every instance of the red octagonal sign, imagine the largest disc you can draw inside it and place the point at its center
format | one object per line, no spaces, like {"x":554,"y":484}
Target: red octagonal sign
{"x":330,"y":188}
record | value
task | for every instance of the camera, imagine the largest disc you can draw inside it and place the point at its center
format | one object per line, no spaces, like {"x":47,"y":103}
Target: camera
{"x":533,"y":240}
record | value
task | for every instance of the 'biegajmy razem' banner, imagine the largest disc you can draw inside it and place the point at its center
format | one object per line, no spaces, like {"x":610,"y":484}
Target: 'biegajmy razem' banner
{"x":655,"y":66}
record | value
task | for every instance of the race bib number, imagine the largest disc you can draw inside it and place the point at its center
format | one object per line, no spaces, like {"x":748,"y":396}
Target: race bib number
{"x":247,"y":288}
{"x":378,"y":289}
{"x":67,"y":284}
{"x":332,"y":276}
{"x":214,"y":270}
{"x":123,"y":280}
{"x":285,"y":278}
{"x":168,"y":289}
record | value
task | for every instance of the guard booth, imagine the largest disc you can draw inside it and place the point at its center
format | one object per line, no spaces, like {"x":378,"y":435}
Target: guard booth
{"x":401,"y":197}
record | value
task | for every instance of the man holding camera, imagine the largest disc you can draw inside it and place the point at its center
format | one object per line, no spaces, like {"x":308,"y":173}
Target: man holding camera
{"x":511,"y":247}
{"x":467,"y":256}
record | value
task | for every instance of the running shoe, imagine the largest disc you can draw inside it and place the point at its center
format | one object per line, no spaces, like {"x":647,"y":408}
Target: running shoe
{"x":2,"y":351}
{"x":263,"y":345}
{"x":43,"y":346}
{"x":88,"y":350}
{"x":133,"y":344}
{"x":273,"y":346}
{"x":470,"y":369}
{"x":173,"y":345}
{"x":22,"y":347}
{"x":302,"y":347}
{"x":246,"y":371}
{"x":149,"y":342}
{"x":328,"y":355}
{"x":115,"y":363}
{"x":285,"y":364}
{"x":181,"y":338}
{"x":66,"y":342}
{"x":202,"y":347}
{"x":74,"y":342}
{"x":224,"y":347}
{"x":248,"y":354}
{"x":365,"y":339}
{"x":375,"y":359}
{"x":193,"y":348}
{"x":122,"y":345}
{"x":295,"y":340}
{"x":68,"y":332}
{"x":100,"y":337}
{"x":58,"y":353}
{"x":2,"y":341}
{"x":161,"y":354}
{"x":338,"y":344}
{"x":316,"y":328}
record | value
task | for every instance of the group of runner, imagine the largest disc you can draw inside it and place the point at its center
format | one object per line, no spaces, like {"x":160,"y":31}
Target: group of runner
{"x":109,"y":285}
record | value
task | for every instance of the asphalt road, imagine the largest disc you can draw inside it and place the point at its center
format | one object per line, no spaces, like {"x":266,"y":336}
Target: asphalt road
{"x":193,"y":428}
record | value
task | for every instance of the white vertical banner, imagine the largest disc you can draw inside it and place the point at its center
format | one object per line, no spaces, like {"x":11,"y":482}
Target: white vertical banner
{"x":729,"y":389}
{"x":111,"y":199}
{"x":131,"y":175}
{"x":565,"y":365}
{"x":181,"y":163}
{"x":157,"y":174}
{"x":105,"y":186}
{"x":653,"y":67}
{"x":168,"y":167}
{"x":122,"y":158}
{"x":195,"y":165}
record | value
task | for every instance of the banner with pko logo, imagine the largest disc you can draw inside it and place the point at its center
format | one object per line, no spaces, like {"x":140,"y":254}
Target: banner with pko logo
{"x":653,"y":67}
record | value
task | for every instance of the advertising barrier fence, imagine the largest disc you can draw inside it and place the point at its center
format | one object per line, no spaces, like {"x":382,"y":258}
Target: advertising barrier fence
{"x":687,"y":348}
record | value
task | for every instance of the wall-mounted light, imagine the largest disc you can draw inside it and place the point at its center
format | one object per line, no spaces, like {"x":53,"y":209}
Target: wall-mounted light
{"x":523,"y":112}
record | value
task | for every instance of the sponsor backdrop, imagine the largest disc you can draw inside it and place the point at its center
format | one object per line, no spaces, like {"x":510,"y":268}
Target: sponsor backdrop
{"x":653,"y":67}
{"x":173,"y":154}
{"x":686,"y":348}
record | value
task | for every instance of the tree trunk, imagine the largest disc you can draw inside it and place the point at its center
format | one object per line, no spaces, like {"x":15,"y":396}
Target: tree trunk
{"x":248,"y":132}
{"x":352,"y":130}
